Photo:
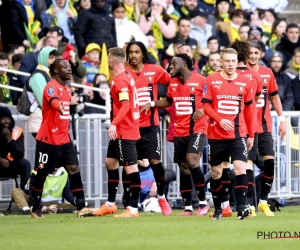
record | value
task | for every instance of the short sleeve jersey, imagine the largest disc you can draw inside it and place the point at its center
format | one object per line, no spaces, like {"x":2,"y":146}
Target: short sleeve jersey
{"x":228,"y":99}
{"x":123,"y":89}
{"x":256,"y":85}
{"x":146,"y":86}
{"x":187,"y":99}
{"x":269,"y":87}
{"x":55,"y":126}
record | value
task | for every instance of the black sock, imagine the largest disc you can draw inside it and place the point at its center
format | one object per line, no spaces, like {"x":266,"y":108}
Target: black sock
{"x":77,"y":190}
{"x":135,"y":187}
{"x":112,"y":183}
{"x":250,"y":178}
{"x":36,"y":191}
{"x":241,"y":188}
{"x":159,"y":175}
{"x":216,"y":191}
{"x":199,"y":183}
{"x":126,"y":188}
{"x":267,"y":179}
{"x":225,"y":184}
{"x":186,"y":189}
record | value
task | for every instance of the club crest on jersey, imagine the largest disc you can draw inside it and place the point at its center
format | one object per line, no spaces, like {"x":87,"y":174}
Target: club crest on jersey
{"x":149,"y":79}
{"x":264,"y":81}
{"x":50,"y":91}
{"x":205,"y":88}
{"x":192,"y":89}
{"x":241,"y":89}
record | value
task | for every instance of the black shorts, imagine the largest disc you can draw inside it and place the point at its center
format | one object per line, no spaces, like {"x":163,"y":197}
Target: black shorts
{"x":266,"y":145}
{"x":48,"y":156}
{"x":252,"y":155}
{"x":123,"y":150}
{"x":149,"y":145}
{"x":192,"y":144}
{"x":220,"y":150}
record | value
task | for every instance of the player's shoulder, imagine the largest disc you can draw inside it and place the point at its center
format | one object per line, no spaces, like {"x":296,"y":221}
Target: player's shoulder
{"x":198,"y":76}
{"x":264,"y":70}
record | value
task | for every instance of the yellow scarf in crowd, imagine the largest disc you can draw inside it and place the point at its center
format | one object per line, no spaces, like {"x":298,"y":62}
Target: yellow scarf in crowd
{"x":159,"y":39}
{"x":184,"y":10}
{"x":225,"y":17}
{"x":130,"y":12}
{"x":274,"y":40}
{"x":154,"y":54}
{"x":296,"y":66}
{"x":206,"y":70}
{"x":5,"y":93}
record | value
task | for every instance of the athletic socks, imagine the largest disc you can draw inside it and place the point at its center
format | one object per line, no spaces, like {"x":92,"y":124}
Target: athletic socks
{"x":159,"y":175}
{"x":135,"y":186}
{"x":199,"y":183}
{"x":186,"y":189}
{"x":126,"y":186}
{"x":112,"y":183}
{"x":77,"y":190}
{"x":241,"y":188}
{"x":36,"y":191}
{"x":225,"y":185}
{"x":267,"y":179}
{"x":250,"y":186}
{"x":216,"y":191}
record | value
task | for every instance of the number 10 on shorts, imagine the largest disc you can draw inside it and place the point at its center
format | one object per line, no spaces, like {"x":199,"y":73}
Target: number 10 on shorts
{"x":43,"y":158}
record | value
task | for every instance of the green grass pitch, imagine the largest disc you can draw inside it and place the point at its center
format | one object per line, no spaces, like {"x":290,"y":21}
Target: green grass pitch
{"x":150,"y":231}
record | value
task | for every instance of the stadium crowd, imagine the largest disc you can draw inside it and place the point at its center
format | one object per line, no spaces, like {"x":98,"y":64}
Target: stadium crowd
{"x":82,"y":32}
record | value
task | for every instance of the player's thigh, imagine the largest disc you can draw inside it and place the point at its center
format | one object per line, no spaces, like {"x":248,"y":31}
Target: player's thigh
{"x":238,"y":149}
{"x":266,"y":145}
{"x":47,"y":157}
{"x":252,"y":154}
{"x":217,"y":151}
{"x":70,"y":158}
{"x":126,"y":151}
{"x":150,"y":143}
{"x":180,"y":149}
{"x":196,"y":145}
{"x":112,"y":149}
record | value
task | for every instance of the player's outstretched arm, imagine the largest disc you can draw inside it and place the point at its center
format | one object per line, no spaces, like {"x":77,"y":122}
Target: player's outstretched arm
{"x":278,"y":107}
{"x":163,"y":103}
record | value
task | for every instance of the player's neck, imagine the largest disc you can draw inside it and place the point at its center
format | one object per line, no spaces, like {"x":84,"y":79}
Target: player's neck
{"x":137,"y":68}
{"x":118,"y":69}
{"x":229,"y":77}
{"x":253,"y":67}
{"x":183,"y":78}
{"x":241,"y":64}
{"x":60,"y":81}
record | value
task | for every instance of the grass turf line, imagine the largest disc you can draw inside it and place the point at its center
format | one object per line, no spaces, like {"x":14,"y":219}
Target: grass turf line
{"x":150,"y":231}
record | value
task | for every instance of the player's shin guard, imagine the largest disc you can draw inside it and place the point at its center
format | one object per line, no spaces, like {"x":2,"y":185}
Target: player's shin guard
{"x":77,"y":190}
{"x":216,"y":191}
{"x":267,"y":178}
{"x":135,"y":186}
{"x":159,"y":175}
{"x":225,"y":184}
{"x":250,"y":193}
{"x":199,"y":182}
{"x":241,"y":188}
{"x":112,"y":183}
{"x":126,"y":187}
{"x":186,"y":189}
{"x":36,"y":191}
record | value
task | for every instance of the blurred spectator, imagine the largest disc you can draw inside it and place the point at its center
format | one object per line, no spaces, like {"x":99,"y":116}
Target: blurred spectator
{"x":278,"y":28}
{"x":96,"y":18}
{"x":6,"y":35}
{"x":213,"y":46}
{"x":222,"y":13}
{"x":262,"y":61}
{"x":283,"y":81}
{"x":173,"y":49}
{"x":251,"y":5}
{"x":289,"y":42}
{"x":91,"y":61}
{"x":200,"y":29}
{"x":21,"y":49}
{"x":244,"y":31}
{"x":130,"y":10}
{"x":125,"y":28}
{"x":186,"y":7}
{"x":256,"y":17}
{"x":151,"y":49}
{"x":30,"y":61}
{"x":142,"y":8}
{"x":267,"y":22}
{"x":25,"y":26}
{"x":39,"y":7}
{"x":13,"y":79}
{"x":5,"y":96}
{"x":61,"y":13}
{"x":12,"y":160}
{"x":207,"y":6}
{"x":83,"y":5}
{"x":163,"y":27}
{"x":255,"y":34}
{"x":213,"y":63}
{"x":229,"y":32}
{"x":171,"y":11}
{"x":11,"y":49}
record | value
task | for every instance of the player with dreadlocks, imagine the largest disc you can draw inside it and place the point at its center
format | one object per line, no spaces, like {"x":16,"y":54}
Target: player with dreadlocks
{"x":53,"y":145}
{"x":146,"y":77}
{"x":184,"y":91}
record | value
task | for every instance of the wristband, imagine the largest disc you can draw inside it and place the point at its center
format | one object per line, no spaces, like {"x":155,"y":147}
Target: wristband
{"x":152,"y":104}
{"x":281,"y":118}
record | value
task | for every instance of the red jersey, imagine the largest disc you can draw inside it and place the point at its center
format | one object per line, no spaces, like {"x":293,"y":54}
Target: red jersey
{"x":228,"y":99}
{"x":269,"y":86}
{"x":55,"y":126}
{"x":146,"y":86}
{"x":256,"y":86}
{"x":186,"y":99}
{"x":123,"y":88}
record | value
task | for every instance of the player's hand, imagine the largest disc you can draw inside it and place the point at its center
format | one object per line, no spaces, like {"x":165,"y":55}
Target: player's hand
{"x":7,"y":134}
{"x":282,"y":129}
{"x":61,"y":108}
{"x":145,"y":107}
{"x":4,"y":162}
{"x":219,"y":69}
{"x":198,"y":114}
{"x":72,"y":56}
{"x":227,"y":125}
{"x":112,"y":132}
{"x":153,"y":190}
{"x":74,"y":100}
{"x":250,"y":143}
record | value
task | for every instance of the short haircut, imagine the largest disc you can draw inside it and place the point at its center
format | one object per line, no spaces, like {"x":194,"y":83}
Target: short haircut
{"x":211,"y":54}
{"x":255,"y":45}
{"x":117,"y":54}
{"x":53,"y":66}
{"x":54,"y":52}
{"x":296,"y":51}
{"x":3,"y":56}
{"x":17,"y":58}
{"x":237,"y":12}
{"x":291,"y":26}
{"x":10,"y":48}
{"x":47,"y":38}
{"x":187,"y":59}
{"x":228,"y":51}
{"x":242,"y":48}
{"x":183,"y":18}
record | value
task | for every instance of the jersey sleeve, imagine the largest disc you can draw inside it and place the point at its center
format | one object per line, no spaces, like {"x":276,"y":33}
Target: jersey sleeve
{"x":248,"y":95}
{"x":50,"y":93}
{"x":273,"y":89}
{"x":122,"y":89}
{"x":162,"y":76}
{"x":259,"y":85}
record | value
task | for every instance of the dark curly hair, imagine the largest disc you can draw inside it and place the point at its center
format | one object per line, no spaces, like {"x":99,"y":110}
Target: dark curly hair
{"x":242,"y":48}
{"x":187,"y":59}
{"x":53,"y":66}
{"x":142,"y":47}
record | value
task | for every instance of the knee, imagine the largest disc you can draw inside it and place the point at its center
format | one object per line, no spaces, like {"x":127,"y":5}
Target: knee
{"x":73,"y":169}
{"x":184,"y":169}
{"x":193,"y":160}
{"x":216,"y":172}
{"x":111,"y":164}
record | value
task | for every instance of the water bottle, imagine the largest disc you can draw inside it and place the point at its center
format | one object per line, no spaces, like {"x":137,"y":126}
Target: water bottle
{"x":281,"y":201}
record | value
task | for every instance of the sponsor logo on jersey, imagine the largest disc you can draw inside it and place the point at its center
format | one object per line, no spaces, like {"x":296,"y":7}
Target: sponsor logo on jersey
{"x":174,"y":84}
{"x":124,"y":89}
{"x":249,"y":76}
{"x":217,"y":82}
{"x":267,"y":76}
{"x":149,"y":73}
{"x":143,"y":89}
{"x":240,"y":83}
{"x":184,"y":98}
{"x":192,"y":84}
{"x":229,"y":97}
{"x":50,"y":91}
